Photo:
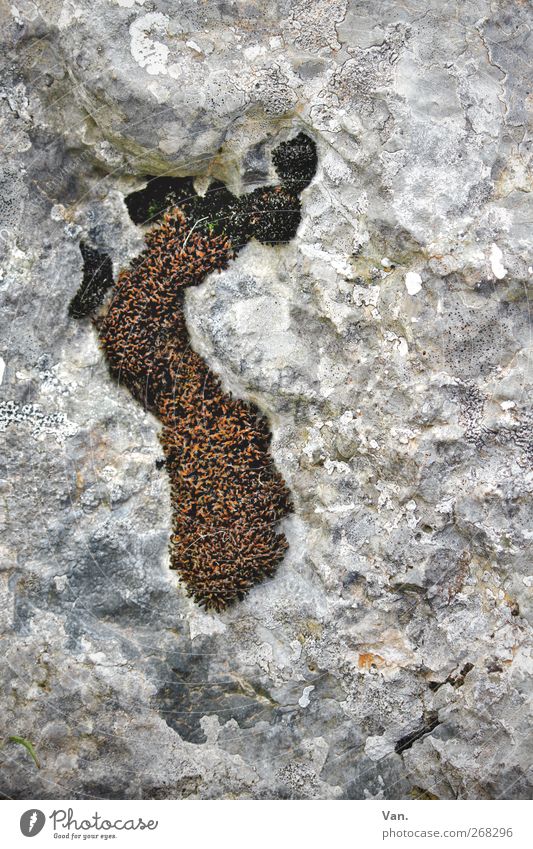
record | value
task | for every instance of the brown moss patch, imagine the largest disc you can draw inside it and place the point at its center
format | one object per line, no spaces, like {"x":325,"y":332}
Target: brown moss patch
{"x":227,"y":496}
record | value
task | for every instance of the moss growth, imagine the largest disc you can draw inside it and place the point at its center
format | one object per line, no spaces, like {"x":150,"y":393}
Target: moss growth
{"x":227,"y":497}
{"x":162,"y":193}
{"x":295,"y":162}
{"x":97,"y":279}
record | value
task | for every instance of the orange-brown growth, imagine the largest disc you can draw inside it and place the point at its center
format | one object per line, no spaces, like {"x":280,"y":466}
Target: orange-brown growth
{"x":226,"y":495}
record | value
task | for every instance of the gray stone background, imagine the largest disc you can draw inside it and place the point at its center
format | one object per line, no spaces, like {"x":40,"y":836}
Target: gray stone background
{"x":389,"y":345}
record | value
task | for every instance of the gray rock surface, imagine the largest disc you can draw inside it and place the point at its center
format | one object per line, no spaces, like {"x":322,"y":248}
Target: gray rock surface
{"x":389,"y":344}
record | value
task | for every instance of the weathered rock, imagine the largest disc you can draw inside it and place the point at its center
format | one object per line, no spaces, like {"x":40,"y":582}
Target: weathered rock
{"x":390,"y":655}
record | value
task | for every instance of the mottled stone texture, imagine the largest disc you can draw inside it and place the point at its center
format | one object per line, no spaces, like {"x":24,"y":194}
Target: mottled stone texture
{"x":389,"y":657}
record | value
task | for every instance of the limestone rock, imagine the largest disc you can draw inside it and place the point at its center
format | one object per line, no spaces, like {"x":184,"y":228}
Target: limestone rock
{"x":391,"y":654}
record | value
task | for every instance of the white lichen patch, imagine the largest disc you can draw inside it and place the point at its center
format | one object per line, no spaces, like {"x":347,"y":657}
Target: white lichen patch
{"x":413,"y":282}
{"x":150,"y":53}
{"x":304,"y":699}
{"x":496,"y":262}
{"x":41,"y":423}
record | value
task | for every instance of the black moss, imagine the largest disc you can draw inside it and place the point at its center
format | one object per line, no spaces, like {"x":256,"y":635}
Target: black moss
{"x":295,"y":162}
{"x":270,"y":214}
{"x":161,"y":193}
{"x":97,"y":279}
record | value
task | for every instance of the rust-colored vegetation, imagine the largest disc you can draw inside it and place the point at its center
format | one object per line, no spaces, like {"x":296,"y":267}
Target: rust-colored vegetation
{"x":227,"y":496}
